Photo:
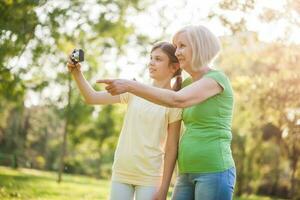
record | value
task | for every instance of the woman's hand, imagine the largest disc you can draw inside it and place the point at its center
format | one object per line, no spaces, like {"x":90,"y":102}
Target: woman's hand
{"x":71,"y":66}
{"x":116,"y":86}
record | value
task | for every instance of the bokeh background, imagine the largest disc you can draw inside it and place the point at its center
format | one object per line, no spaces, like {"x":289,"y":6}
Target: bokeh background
{"x":54,"y":146}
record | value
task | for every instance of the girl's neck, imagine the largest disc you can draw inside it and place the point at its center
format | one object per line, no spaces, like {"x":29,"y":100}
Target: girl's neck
{"x":166,"y":84}
{"x":196,"y":75}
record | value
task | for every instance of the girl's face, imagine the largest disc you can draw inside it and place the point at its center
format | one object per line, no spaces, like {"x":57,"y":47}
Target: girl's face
{"x":183,"y":51}
{"x":159,"y":65}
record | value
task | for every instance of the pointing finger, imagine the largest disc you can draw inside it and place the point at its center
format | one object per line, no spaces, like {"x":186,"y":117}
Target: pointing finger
{"x":106,"y":81}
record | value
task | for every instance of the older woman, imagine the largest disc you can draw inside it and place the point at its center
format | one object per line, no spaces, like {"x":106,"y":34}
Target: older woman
{"x":206,"y":166}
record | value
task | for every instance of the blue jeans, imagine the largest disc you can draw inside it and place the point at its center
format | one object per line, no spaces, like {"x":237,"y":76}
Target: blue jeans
{"x":205,"y":186}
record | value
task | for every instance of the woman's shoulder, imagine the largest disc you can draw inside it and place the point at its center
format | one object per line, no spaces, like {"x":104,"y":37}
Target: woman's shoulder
{"x":221,"y":78}
{"x":216,"y":71}
{"x":213,"y":73}
{"x":217,"y":74}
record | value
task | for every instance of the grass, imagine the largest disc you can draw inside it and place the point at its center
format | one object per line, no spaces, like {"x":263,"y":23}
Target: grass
{"x":29,"y":184}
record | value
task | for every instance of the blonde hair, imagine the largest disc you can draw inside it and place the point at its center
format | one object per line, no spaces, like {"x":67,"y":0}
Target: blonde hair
{"x":205,"y":45}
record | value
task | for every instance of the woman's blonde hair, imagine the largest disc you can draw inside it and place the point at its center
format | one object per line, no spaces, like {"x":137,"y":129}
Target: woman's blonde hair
{"x":205,"y":45}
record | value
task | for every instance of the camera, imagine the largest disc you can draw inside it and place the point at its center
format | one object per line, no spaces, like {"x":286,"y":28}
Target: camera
{"x":77,"y":56}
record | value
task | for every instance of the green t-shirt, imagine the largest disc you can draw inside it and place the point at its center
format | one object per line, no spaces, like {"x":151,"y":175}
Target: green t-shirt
{"x":205,"y":144}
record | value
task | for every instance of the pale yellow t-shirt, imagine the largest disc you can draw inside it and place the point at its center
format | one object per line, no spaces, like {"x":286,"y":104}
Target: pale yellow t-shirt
{"x":139,"y":155}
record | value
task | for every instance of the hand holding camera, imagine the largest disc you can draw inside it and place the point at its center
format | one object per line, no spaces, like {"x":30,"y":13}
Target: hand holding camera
{"x":74,"y":60}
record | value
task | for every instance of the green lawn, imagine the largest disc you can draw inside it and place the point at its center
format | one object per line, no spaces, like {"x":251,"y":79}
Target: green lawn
{"x":29,"y":184}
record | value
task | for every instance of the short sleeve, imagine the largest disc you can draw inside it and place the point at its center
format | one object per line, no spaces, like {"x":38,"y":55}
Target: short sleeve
{"x":174,"y":115}
{"x":186,"y":82}
{"x":125,"y":97}
{"x":219,"y":77}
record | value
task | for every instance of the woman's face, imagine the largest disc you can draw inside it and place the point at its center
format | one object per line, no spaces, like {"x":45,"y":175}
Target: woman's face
{"x":183,"y":51}
{"x":159,"y":65}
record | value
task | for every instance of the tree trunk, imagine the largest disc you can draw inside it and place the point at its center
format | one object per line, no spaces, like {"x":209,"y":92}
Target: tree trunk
{"x":241,"y":175}
{"x":293,"y":176}
{"x":64,"y":144}
{"x":100,"y":159}
{"x":274,"y":190}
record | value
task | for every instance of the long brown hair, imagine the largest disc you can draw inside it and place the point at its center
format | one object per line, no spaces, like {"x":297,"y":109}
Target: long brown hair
{"x":169,"y":50}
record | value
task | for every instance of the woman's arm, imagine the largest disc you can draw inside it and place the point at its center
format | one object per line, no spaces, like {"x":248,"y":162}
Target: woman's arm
{"x":170,"y":157}
{"x":193,"y":94}
{"x":90,"y":95}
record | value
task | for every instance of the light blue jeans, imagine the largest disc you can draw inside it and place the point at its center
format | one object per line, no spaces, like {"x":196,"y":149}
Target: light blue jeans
{"x":123,"y":191}
{"x":205,"y":186}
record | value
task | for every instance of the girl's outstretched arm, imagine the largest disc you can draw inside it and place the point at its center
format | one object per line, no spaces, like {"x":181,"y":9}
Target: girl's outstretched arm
{"x":90,"y":95}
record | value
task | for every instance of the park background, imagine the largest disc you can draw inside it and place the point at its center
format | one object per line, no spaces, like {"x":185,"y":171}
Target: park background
{"x":54,"y":146}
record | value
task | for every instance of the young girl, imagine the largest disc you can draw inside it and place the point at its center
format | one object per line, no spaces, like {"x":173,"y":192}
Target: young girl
{"x":147,"y":148}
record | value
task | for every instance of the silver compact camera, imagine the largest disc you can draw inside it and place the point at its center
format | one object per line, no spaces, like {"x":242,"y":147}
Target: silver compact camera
{"x":77,"y":56}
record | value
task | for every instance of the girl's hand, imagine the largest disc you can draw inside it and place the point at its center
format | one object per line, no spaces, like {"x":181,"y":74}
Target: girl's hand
{"x":160,"y":195}
{"x":71,"y":66}
{"x":115,"y":86}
